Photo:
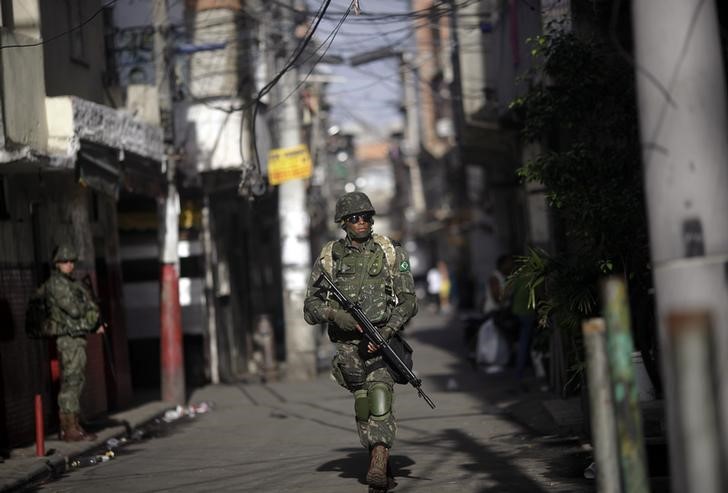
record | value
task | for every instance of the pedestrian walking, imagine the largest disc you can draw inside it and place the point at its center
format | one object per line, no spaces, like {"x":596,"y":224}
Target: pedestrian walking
{"x":373,"y":271}
{"x":72,"y":315}
{"x":498,"y":296}
{"x":434,"y":280}
{"x":445,"y":287}
{"x":498,"y":332}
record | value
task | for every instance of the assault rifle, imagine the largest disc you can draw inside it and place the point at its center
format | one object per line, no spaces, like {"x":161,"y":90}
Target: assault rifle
{"x":371,"y":333}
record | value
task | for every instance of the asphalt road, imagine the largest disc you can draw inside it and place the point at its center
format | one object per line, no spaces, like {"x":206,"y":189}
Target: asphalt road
{"x":288,"y":437}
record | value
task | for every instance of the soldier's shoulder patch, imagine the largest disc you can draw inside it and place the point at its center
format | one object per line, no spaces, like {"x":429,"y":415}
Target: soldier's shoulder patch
{"x":404,"y":266}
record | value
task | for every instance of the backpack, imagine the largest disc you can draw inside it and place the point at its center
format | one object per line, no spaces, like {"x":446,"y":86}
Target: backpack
{"x":37,"y":315}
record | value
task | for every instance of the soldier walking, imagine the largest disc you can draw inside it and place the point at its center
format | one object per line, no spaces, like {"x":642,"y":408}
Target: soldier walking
{"x":373,"y":271}
{"x":73,"y":314}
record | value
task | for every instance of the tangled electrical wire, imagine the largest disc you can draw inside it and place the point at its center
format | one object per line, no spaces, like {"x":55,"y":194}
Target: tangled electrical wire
{"x":252,"y":183}
{"x":50,"y":39}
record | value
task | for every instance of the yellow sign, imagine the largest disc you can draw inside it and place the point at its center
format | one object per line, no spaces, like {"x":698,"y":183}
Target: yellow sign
{"x":290,"y":163}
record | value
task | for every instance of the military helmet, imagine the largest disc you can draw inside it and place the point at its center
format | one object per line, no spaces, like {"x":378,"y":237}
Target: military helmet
{"x":64,"y":252}
{"x":352,"y":203}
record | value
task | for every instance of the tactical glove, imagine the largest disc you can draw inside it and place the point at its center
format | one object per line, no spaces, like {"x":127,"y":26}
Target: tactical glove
{"x":343,"y":320}
{"x":387,"y":332}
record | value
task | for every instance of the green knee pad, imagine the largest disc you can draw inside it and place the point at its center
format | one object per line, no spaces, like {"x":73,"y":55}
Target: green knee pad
{"x":380,"y":401}
{"x":361,"y":405}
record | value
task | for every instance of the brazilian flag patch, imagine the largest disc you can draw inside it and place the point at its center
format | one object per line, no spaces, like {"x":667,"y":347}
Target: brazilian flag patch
{"x":404,"y":266}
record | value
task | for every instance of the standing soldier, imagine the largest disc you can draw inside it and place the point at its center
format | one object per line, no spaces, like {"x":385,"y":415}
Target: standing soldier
{"x":373,"y":271}
{"x":73,"y":314}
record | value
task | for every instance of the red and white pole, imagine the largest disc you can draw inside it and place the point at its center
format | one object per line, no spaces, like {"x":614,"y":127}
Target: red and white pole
{"x":171,"y":353}
{"x":171,"y":346}
{"x":172,"y":356}
{"x":39,"y":427}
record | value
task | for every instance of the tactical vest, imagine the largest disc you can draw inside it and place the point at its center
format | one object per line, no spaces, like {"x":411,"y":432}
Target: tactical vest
{"x":387,"y":246}
{"x":61,"y":323}
{"x":390,"y":266}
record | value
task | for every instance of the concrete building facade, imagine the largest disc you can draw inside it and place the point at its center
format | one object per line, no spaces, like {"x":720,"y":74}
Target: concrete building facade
{"x":472,"y":62}
{"x":65,"y":156}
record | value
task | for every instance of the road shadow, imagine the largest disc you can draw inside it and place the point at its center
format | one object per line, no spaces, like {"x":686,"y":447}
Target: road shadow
{"x":498,"y":469}
{"x":355,"y":461}
{"x":103,"y":422}
{"x":501,"y":394}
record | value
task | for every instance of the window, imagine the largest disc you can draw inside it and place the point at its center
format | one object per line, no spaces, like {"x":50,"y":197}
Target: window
{"x":4,"y":205}
{"x":76,"y":36}
{"x":6,"y":14}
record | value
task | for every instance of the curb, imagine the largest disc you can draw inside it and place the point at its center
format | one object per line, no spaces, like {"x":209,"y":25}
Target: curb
{"x":57,"y":463}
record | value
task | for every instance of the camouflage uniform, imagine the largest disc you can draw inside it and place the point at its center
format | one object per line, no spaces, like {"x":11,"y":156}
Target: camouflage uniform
{"x":387,"y":297}
{"x":73,"y":314}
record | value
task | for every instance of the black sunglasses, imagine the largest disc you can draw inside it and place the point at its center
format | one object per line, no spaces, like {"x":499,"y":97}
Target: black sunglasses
{"x":367,"y":218}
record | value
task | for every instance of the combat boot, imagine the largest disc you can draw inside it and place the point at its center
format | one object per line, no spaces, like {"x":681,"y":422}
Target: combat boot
{"x":391,"y":482}
{"x":68,"y":431}
{"x":87,"y":435}
{"x":377,"y":474}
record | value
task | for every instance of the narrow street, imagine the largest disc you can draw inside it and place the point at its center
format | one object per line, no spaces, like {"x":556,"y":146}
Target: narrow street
{"x":283,"y":437}
{"x":176,"y":176}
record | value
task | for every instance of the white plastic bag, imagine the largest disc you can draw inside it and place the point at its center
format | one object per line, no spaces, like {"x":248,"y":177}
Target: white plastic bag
{"x":492,"y":347}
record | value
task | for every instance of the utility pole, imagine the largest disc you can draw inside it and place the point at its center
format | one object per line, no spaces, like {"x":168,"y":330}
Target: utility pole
{"x":459,"y":189}
{"x":458,"y":116}
{"x":171,"y":349}
{"x":682,"y":109}
{"x":294,"y":224}
{"x":208,"y":247}
{"x":412,"y":132}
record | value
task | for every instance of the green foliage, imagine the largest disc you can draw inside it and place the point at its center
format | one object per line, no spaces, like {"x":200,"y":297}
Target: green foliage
{"x":563,"y":292}
{"x":582,"y":112}
{"x":559,"y":285}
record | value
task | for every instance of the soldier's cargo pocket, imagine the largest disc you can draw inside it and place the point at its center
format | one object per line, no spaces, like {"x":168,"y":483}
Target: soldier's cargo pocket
{"x":346,"y":268}
{"x":375,"y":268}
{"x":336,"y":374}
